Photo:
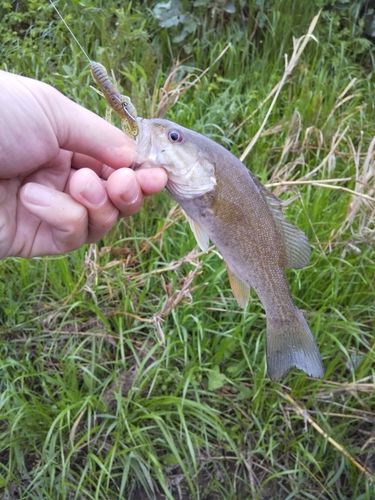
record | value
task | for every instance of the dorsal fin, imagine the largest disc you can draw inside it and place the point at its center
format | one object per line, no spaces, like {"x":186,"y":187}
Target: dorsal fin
{"x":297,"y":246}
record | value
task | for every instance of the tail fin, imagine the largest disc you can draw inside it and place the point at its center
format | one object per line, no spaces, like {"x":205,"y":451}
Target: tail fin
{"x":291,"y":343}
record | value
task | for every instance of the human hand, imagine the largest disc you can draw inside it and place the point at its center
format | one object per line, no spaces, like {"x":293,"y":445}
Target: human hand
{"x":62,"y":181}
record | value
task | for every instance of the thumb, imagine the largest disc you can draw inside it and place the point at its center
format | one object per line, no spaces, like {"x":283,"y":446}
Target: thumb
{"x":81,"y":131}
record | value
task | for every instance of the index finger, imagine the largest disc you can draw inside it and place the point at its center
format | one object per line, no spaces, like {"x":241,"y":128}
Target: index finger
{"x":80,"y":160}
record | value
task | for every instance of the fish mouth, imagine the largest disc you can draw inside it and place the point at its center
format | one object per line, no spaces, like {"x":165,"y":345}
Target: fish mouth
{"x":147,"y":153}
{"x":144,"y":143}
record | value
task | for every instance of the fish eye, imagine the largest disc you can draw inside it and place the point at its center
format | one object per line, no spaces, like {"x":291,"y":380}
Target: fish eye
{"x":175,"y":136}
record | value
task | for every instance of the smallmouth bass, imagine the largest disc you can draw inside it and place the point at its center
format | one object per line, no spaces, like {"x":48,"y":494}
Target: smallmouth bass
{"x":226,"y":204}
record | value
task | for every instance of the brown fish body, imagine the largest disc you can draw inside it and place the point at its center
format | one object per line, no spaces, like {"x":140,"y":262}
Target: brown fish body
{"x":228,"y":205}
{"x":238,"y":221}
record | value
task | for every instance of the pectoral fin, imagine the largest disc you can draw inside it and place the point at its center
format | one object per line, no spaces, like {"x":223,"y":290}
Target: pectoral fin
{"x":241,"y":290}
{"x":199,"y":233}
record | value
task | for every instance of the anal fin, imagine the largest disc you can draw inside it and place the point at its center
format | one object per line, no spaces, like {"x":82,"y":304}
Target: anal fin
{"x":240,"y":289}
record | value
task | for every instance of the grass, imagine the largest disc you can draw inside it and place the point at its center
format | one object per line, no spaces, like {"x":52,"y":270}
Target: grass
{"x":127,"y":369}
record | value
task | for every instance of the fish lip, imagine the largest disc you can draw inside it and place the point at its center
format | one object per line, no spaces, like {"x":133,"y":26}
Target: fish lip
{"x":146,"y":153}
{"x":140,"y":125}
{"x":143,"y":142}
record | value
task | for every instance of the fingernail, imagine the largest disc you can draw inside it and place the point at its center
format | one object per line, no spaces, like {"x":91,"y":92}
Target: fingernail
{"x":131,"y":193}
{"x":38,"y":194}
{"x":94,"y":191}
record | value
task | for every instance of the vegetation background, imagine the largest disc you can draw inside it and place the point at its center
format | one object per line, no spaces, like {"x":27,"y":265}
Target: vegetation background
{"x":92,"y":404}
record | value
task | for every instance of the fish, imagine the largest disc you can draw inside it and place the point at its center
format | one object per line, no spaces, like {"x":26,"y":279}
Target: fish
{"x":226,"y":204}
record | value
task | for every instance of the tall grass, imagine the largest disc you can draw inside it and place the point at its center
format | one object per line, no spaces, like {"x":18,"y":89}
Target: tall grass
{"x":127,"y":369}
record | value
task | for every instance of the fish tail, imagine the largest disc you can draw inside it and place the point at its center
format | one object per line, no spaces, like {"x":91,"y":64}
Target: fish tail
{"x":290,"y":343}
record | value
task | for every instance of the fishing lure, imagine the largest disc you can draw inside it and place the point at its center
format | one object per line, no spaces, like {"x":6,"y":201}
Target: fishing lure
{"x":121,"y":104}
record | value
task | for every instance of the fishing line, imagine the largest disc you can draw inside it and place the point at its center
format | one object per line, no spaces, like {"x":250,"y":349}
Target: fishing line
{"x":70,"y":31}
